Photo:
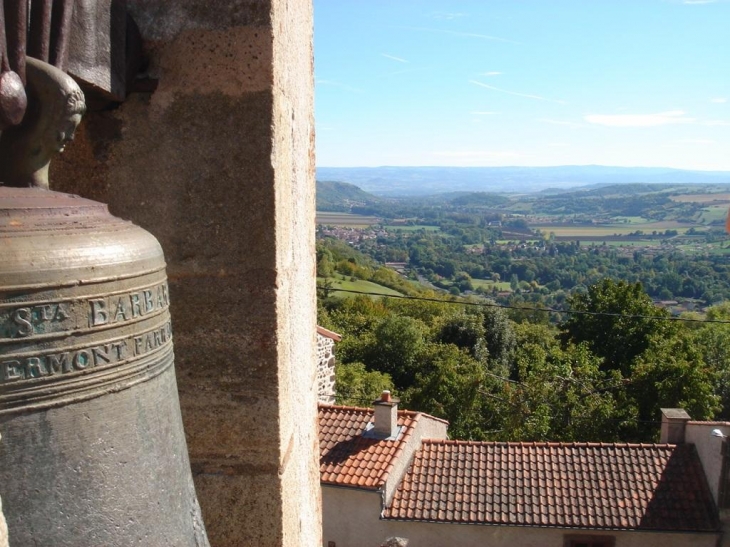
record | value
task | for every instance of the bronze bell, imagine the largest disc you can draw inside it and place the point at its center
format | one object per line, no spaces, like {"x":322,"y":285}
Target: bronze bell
{"x":93,"y":450}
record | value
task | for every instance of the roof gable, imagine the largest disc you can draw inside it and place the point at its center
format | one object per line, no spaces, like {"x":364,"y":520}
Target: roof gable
{"x":349,"y":458}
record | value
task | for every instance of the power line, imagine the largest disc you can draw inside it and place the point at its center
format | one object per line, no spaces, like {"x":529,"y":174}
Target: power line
{"x":527,"y":308}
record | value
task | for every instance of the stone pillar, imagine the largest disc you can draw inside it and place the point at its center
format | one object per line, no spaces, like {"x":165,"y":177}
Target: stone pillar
{"x":218,"y":163}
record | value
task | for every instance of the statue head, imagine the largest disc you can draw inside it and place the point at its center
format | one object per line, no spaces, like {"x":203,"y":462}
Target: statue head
{"x":55,"y":107}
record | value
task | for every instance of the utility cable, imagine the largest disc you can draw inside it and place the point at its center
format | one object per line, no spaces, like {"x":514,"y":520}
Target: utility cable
{"x":526,"y":308}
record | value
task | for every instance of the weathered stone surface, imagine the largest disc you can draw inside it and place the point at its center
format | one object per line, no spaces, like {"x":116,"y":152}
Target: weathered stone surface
{"x":218,"y":164}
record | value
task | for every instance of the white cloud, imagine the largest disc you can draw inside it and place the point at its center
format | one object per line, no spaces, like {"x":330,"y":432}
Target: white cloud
{"x":560,"y":122}
{"x":394,"y":58}
{"x":526,"y":95}
{"x":718,"y":100}
{"x":482,"y":113}
{"x":493,"y":73}
{"x":716,"y":123}
{"x":639,"y":120}
{"x":696,"y":141}
{"x":693,"y":2}
{"x":559,"y":144}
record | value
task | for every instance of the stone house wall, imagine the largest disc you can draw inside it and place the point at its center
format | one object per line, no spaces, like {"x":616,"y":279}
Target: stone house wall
{"x":326,"y":365}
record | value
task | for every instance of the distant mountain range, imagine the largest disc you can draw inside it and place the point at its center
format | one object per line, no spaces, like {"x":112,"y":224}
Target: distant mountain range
{"x":421,"y":181}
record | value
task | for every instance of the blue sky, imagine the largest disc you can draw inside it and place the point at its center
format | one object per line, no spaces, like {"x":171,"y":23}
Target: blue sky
{"x":523,"y":82}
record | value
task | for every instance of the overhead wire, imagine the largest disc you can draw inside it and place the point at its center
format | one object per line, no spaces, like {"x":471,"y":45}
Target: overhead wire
{"x":530,"y":309}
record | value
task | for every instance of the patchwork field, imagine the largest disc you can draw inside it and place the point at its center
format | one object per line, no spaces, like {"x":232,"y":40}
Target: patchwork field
{"x":345,"y":219}
{"x":702,"y":198}
{"x":579,"y":231}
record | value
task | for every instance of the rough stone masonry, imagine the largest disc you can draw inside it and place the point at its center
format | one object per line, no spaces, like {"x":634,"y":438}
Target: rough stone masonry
{"x":218,"y":164}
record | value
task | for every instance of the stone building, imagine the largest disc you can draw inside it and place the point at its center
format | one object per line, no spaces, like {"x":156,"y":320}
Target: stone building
{"x":326,"y":364}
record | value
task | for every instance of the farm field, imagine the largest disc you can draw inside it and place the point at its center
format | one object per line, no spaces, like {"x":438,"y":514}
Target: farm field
{"x":713,"y":213}
{"x":342,"y":282}
{"x":396,"y":228}
{"x":611,"y":229}
{"x":345,"y":219}
{"x":632,"y":243}
{"x":488,"y":284}
{"x":702,"y":198}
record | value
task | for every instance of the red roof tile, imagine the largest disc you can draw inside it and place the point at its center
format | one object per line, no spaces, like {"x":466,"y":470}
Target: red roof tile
{"x":347,"y":458}
{"x":600,"y":486}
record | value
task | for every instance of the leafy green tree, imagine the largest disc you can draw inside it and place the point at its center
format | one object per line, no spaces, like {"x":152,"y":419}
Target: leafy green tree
{"x":500,"y":338}
{"x":448,"y":385}
{"x":624,"y":324}
{"x":712,"y":340}
{"x":325,"y":263}
{"x":464,"y":330}
{"x":396,"y":348}
{"x":559,"y":393}
{"x":357,"y":386}
{"x":671,"y":374}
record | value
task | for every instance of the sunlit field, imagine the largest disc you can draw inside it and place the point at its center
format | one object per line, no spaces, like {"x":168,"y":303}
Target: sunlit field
{"x":345,"y":219}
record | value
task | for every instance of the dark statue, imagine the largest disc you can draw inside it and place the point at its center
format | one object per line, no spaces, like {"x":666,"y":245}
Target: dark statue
{"x":56,"y":105}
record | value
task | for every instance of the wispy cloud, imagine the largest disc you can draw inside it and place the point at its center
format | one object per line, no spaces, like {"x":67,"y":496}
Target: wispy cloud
{"x":404,"y":71}
{"x":508,"y":92}
{"x":492,"y":73}
{"x":559,"y":144}
{"x":560,"y":122}
{"x":639,"y":120}
{"x":482,"y":113}
{"x":716,"y":123}
{"x":394,"y":58}
{"x":465,"y":34}
{"x":696,"y":141}
{"x":339,"y":85}
{"x":692,"y":2}
{"x":718,"y":100}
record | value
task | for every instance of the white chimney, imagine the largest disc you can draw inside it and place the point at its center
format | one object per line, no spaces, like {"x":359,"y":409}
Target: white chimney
{"x":386,"y":416}
{"x":674,"y":422}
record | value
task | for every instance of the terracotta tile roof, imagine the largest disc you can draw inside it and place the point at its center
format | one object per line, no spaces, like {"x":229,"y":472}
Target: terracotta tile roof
{"x":346,"y":457}
{"x":329,"y":334}
{"x":599,"y":486}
